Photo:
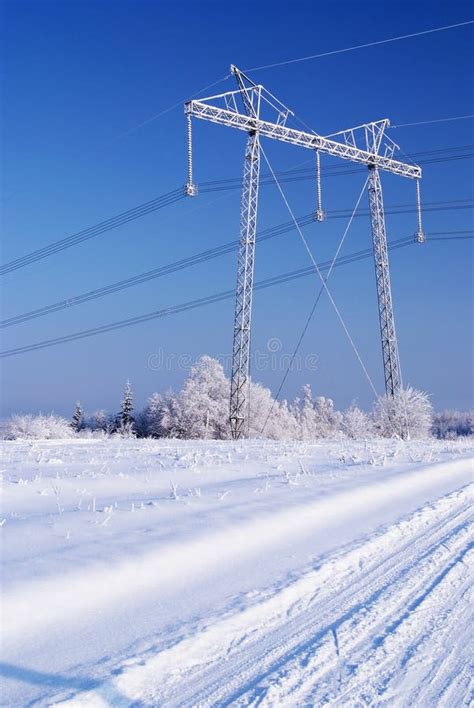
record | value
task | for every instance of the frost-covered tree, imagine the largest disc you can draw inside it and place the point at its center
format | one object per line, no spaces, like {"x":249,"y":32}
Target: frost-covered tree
{"x":453,"y":424}
{"x":258,"y":405}
{"x":151,"y":418}
{"x":77,"y":422}
{"x":125,"y":419}
{"x":316,"y":417}
{"x":406,"y":415}
{"x":265,"y":415}
{"x":204,"y":401}
{"x":100,"y":420}
{"x":172,"y":416}
{"x":329,"y":420}
{"x":355,"y":423}
{"x":286,"y":422}
{"x":201,"y":409}
{"x":305,"y":413}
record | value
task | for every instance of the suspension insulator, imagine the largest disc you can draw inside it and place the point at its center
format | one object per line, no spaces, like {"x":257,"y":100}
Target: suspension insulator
{"x":420,"y":236}
{"x":190,"y":189}
{"x":319,"y":215}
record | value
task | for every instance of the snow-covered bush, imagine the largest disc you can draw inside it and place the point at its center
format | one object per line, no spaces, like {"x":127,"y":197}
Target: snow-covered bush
{"x":99,"y":421}
{"x":36,"y":427}
{"x":269,"y":418}
{"x":453,"y":424}
{"x":356,"y":424}
{"x":316,"y":417}
{"x":406,"y":415}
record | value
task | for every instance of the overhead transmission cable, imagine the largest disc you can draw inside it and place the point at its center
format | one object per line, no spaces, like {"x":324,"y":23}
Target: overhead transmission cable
{"x":195,"y":259}
{"x":177,"y":194}
{"x":334,"y":170}
{"x":454,"y":237}
{"x":429,"y":122}
{"x":358,"y":46}
{"x":178,"y":104}
{"x":216,"y":297}
{"x":92,"y":231}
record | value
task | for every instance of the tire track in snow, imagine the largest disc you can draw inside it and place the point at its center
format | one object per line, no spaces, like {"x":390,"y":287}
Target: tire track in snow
{"x":236,"y":666}
{"x":438,"y":670}
{"x":378,"y":677}
{"x":303,"y":632}
{"x":365,"y":629}
{"x":290,"y":681}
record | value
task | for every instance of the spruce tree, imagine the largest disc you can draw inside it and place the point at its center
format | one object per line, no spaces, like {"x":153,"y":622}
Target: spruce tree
{"x":77,"y":422}
{"x":125,"y":419}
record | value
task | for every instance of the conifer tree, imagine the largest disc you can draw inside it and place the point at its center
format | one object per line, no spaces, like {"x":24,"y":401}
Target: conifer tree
{"x":77,"y":422}
{"x":125,"y":418}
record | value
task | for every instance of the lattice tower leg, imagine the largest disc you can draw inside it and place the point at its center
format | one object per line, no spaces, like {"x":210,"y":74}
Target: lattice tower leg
{"x":391,"y":361}
{"x":244,"y":291}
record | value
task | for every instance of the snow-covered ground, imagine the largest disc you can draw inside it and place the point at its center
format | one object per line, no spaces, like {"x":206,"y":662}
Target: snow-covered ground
{"x":172,"y":573}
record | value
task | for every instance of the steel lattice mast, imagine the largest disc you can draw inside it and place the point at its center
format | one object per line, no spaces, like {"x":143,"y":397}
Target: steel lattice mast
{"x":242,"y":109}
{"x":244,"y":291}
{"x":239,"y":382}
{"x":391,"y":361}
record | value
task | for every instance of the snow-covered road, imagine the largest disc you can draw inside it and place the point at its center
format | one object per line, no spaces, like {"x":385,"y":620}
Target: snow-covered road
{"x":273,"y":573}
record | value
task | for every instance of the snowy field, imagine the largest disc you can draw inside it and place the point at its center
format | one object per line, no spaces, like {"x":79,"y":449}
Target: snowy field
{"x":170,"y":573}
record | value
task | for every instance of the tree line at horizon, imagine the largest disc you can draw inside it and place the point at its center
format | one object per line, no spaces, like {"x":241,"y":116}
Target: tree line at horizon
{"x":200,"y":411}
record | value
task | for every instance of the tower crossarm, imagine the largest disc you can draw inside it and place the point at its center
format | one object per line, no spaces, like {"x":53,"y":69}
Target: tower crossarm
{"x":312,"y":141}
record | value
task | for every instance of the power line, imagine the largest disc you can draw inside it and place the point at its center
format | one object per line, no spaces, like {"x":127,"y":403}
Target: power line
{"x":170,"y":108}
{"x":204,"y":256}
{"x":428,"y":122}
{"x":175,"y":195}
{"x":326,"y":170}
{"x":450,"y":238}
{"x":358,"y":46}
{"x":306,"y":174}
{"x":336,"y":170}
{"x":201,"y":302}
{"x":92,"y":231}
{"x":121,"y":284}
{"x":292,"y":275}
{"x":161,"y":113}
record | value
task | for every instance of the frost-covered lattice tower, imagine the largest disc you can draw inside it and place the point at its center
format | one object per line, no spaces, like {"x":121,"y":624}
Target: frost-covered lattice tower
{"x":246,"y":109}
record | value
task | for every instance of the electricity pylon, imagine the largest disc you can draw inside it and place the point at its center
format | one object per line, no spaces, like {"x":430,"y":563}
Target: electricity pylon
{"x":244,"y":109}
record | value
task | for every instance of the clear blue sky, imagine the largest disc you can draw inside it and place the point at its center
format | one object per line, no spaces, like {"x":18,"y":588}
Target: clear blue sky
{"x":79,"y":75}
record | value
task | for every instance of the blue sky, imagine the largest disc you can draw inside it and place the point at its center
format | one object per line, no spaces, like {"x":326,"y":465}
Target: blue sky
{"x":81,"y":76}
